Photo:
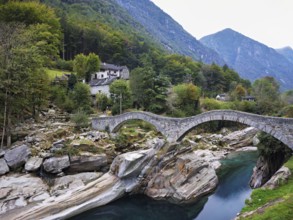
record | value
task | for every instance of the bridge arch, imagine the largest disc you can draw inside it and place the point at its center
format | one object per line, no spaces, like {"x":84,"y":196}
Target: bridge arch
{"x":175,"y":129}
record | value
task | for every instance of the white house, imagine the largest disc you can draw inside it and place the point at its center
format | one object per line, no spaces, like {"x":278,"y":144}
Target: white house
{"x":100,"y":81}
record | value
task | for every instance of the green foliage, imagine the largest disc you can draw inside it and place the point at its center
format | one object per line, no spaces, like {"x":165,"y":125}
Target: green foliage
{"x":84,"y":66}
{"x":149,"y":90}
{"x":81,"y":120}
{"x":287,"y":111}
{"x":185,"y":100}
{"x":80,"y":65}
{"x":66,"y":65}
{"x":41,"y":21}
{"x":287,"y":97}
{"x":266,"y":91}
{"x":81,"y":97}
{"x":102,"y":101}
{"x":60,"y":98}
{"x":120,"y":96}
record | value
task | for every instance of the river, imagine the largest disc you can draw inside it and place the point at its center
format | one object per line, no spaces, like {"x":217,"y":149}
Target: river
{"x":223,"y":204}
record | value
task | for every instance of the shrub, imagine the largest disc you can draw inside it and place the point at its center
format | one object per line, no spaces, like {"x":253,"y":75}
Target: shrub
{"x":80,"y":118}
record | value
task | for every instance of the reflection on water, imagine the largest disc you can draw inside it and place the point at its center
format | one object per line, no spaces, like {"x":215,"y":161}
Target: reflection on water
{"x":224,"y":204}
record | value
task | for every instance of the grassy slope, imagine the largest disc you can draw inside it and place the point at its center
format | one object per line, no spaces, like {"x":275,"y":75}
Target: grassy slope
{"x":53,"y":73}
{"x":282,"y":210}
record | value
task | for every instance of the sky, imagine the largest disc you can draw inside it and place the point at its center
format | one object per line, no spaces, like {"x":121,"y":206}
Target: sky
{"x":267,"y":21}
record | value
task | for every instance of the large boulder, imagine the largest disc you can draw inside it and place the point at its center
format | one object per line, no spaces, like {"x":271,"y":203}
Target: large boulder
{"x":56,"y":164}
{"x":86,"y":163}
{"x":130,"y":164}
{"x":33,"y":164}
{"x":17,"y":156}
{"x":3,"y":167}
{"x":183,"y":179}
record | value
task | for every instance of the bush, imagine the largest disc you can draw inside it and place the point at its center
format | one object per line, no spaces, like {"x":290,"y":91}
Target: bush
{"x":80,"y":118}
{"x":64,"y":64}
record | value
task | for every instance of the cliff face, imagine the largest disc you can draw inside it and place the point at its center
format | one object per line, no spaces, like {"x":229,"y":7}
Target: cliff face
{"x":168,"y":32}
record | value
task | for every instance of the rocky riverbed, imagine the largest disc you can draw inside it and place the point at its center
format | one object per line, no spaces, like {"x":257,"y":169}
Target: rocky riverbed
{"x":58,"y":172}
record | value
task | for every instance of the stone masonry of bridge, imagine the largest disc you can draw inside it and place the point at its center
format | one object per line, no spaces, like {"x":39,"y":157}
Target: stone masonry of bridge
{"x":174,"y":129}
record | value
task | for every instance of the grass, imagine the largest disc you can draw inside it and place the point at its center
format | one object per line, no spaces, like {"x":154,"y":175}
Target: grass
{"x":282,"y":210}
{"x":52,"y":73}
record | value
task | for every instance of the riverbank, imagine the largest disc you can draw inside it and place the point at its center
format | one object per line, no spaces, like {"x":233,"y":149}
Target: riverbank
{"x":272,"y":201}
{"x":153,"y":168}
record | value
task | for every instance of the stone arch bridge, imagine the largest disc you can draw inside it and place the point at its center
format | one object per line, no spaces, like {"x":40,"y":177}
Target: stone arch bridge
{"x":174,"y":129}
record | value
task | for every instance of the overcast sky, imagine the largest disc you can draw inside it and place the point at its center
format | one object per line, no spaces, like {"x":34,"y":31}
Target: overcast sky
{"x":267,"y":21}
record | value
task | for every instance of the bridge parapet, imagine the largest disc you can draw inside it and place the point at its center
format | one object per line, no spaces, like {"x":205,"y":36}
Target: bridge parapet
{"x":175,"y":128}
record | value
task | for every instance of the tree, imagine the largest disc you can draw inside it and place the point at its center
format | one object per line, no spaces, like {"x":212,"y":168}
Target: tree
{"x":84,"y":66}
{"x":120,"y":95}
{"x":148,"y":89}
{"x":82,"y":97}
{"x":238,"y":92}
{"x":186,"y":98}
{"x":80,"y":65}
{"x":41,"y":20}
{"x":93,"y":65}
{"x":266,"y":91}
{"x":23,"y":83}
{"x":102,"y":101}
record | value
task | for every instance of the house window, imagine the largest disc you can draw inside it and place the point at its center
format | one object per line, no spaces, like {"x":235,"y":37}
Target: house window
{"x":102,"y":76}
{"x":100,"y":91}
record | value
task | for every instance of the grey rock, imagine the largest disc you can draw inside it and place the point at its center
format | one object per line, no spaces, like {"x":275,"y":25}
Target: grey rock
{"x":59,"y":142}
{"x":2,"y":153}
{"x":15,"y":189}
{"x":281,"y":176}
{"x":17,"y":156}
{"x":3,"y":167}
{"x":45,"y":155}
{"x":240,"y":138}
{"x":56,"y":164}
{"x":85,"y":163}
{"x":70,"y":182}
{"x":33,"y":164}
{"x":184,"y":180}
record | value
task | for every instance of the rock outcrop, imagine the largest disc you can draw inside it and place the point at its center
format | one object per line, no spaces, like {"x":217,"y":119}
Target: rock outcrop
{"x":149,"y":171}
{"x":281,"y":176}
{"x":241,"y":138}
{"x":182,"y":179}
{"x":18,"y":190}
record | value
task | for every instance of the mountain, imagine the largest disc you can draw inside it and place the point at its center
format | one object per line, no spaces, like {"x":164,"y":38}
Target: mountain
{"x":250,"y":58}
{"x":168,"y":32}
{"x":287,"y":52}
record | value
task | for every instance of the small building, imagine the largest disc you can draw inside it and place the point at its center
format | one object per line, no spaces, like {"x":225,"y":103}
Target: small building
{"x":100,"y":81}
{"x":223,"y":97}
{"x":248,"y":98}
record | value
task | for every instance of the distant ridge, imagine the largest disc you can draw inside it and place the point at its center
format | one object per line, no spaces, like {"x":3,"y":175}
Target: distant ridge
{"x":287,"y":52}
{"x":251,"y":59}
